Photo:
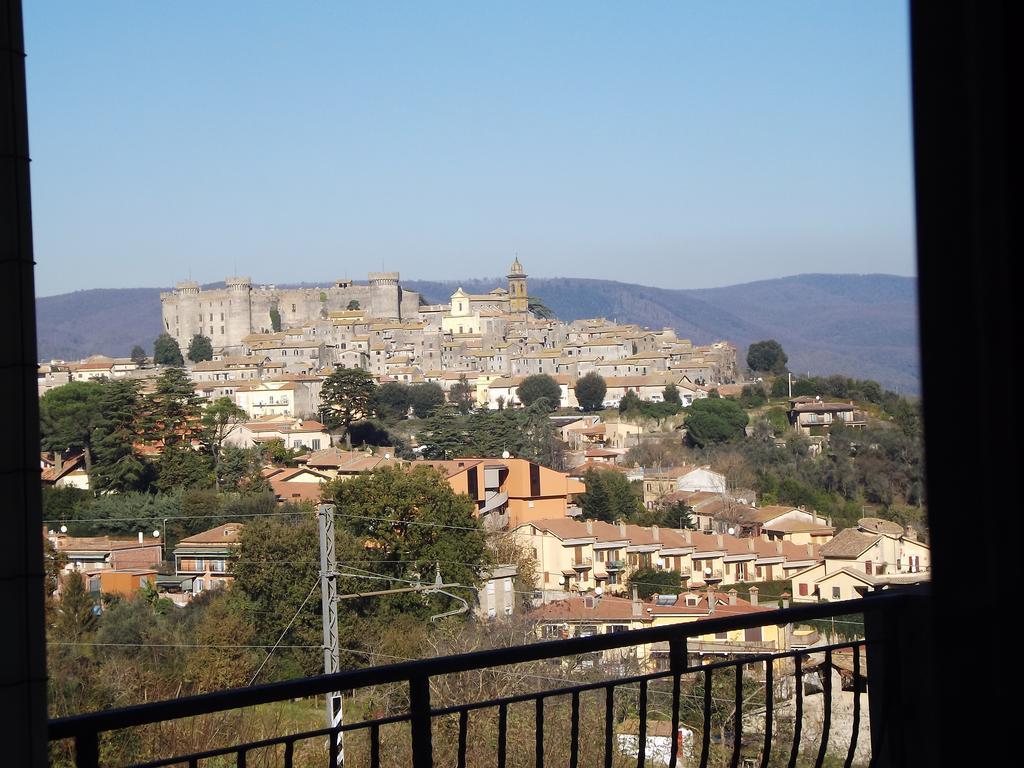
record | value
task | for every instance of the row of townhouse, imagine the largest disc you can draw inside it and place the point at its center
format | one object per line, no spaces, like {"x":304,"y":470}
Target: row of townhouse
{"x":576,"y":556}
{"x":601,"y":613}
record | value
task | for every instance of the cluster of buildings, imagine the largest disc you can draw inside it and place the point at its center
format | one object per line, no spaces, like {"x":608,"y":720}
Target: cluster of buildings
{"x":273,"y":347}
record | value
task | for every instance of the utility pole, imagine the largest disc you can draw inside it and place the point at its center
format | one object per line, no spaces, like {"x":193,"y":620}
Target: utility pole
{"x":329,"y":603}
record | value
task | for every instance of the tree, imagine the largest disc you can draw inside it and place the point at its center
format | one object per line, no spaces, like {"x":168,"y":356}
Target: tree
{"x":179,"y":466}
{"x":537,"y":387}
{"x":166,"y":351}
{"x":117,"y":466}
{"x":238,"y":469}
{"x":462,"y":395}
{"x":76,"y":617}
{"x":347,"y":395}
{"x":654,"y":581}
{"x":275,"y":319}
{"x":200,"y":349}
{"x":609,"y":497}
{"x":671,"y":395}
{"x":766,"y":357}
{"x":391,"y":400}
{"x":590,"y":391}
{"x":425,"y":399}
{"x":68,"y":415}
{"x":139,"y":355}
{"x":220,"y":418}
{"x":174,"y":408}
{"x":538,"y":308}
{"x":715,"y":420}
{"x":352,"y":306}
{"x":630,"y":404}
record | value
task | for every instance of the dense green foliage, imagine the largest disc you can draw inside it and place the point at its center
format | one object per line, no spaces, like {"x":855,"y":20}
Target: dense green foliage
{"x":391,"y":400}
{"x":525,"y":433}
{"x":166,"y":351}
{"x":138,"y":355}
{"x":590,"y":391}
{"x":200,"y":349}
{"x":609,"y":497}
{"x":654,"y":581}
{"x":538,"y":387}
{"x":424,"y":399}
{"x":275,"y":319}
{"x":766,"y":357}
{"x":347,"y":394}
{"x":714,"y":420}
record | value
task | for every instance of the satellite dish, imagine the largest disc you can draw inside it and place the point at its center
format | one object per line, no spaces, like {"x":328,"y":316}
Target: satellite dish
{"x":63,"y":529}
{"x":506,"y":455}
{"x":732,"y":531}
{"x":599,"y":591}
{"x":156,"y":534}
{"x":387,"y":455}
{"x":707,"y":571}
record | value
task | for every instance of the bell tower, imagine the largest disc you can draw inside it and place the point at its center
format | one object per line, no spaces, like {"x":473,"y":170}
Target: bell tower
{"x":518,"y":299}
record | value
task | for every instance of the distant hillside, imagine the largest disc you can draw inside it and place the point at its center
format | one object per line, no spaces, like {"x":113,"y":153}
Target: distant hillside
{"x":859,"y":325}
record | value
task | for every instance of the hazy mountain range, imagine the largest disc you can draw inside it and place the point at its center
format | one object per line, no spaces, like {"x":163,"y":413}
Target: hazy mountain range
{"x":859,"y":325}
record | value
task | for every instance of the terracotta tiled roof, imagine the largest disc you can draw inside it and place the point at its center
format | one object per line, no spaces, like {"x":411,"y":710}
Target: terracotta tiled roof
{"x":227,"y":533}
{"x":849,"y":543}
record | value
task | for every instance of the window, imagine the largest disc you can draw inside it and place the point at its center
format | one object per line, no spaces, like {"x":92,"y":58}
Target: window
{"x":803,"y":590}
{"x":837,"y":593}
{"x":314,"y":444}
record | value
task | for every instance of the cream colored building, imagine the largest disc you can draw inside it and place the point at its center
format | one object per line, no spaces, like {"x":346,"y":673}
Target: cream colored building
{"x":874,"y":555}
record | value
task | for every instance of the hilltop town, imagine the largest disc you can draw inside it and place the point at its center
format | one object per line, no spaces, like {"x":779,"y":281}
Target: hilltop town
{"x":581,"y":478}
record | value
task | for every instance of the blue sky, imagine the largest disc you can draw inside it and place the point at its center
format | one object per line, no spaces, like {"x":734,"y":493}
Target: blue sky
{"x":677,"y":144}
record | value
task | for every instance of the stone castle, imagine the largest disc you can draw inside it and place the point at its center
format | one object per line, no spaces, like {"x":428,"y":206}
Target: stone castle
{"x":227,"y":315}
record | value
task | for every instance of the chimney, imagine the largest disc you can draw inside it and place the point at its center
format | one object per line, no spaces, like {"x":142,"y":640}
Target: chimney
{"x":590,"y":527}
{"x":753,"y":595}
{"x":721,"y":542}
{"x":689,"y":536}
{"x":810,"y":550}
{"x":58,"y":461}
{"x":750,"y":544}
{"x":655,"y":533}
{"x":140,"y":537}
{"x":732,"y":596}
{"x":638,"y":607}
{"x":785,"y":599}
{"x":778,"y":546}
{"x":711,"y":600}
{"x":622,"y":529}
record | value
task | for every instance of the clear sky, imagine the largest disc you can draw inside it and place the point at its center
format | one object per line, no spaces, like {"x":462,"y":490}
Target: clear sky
{"x":677,"y":144}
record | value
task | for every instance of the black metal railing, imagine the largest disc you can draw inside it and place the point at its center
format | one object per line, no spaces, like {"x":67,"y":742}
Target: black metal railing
{"x":883,"y":613}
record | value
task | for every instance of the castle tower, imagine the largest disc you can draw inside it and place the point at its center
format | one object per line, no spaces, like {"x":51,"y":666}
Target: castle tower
{"x":519,"y":299}
{"x":239,"y":313}
{"x":385,"y":295}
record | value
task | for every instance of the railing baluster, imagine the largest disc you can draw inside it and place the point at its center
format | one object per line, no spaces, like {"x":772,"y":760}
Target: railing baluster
{"x":87,"y":750}
{"x":240,"y":759}
{"x":737,"y":718}
{"x":855,"y":731}
{"x":463,"y":727}
{"x":769,"y":710}
{"x":641,"y":751}
{"x":538,"y":727}
{"x":502,"y":730}
{"x":677,"y":659}
{"x":289,"y":754}
{"x":375,"y":746}
{"x":826,"y":684}
{"x":798,"y":676}
{"x":609,"y":724}
{"x":705,"y":745}
{"x":574,"y":732}
{"x":420,"y":723}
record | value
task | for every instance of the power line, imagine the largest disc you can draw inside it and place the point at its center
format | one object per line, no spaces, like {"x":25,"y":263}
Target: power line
{"x":285,"y":632}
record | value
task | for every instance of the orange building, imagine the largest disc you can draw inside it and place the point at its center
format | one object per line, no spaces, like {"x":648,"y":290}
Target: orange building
{"x":509,"y":492}
{"x":124,"y":582}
